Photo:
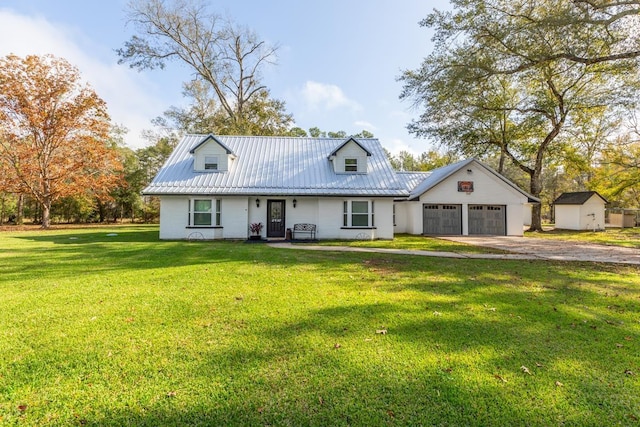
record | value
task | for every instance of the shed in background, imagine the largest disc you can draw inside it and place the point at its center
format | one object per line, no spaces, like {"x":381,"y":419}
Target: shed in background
{"x":582,"y":210}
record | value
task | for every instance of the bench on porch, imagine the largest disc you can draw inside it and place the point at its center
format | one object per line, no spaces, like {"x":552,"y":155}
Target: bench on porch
{"x":309,"y":229}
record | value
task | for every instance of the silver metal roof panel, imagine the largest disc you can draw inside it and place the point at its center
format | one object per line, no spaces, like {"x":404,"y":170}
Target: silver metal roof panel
{"x":277,"y":165}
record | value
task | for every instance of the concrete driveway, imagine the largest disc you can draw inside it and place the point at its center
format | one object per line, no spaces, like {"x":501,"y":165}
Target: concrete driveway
{"x":559,"y":250}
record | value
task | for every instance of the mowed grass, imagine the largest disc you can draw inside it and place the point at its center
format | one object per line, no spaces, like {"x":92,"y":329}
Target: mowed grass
{"x":128,"y":330}
{"x":412,"y":242}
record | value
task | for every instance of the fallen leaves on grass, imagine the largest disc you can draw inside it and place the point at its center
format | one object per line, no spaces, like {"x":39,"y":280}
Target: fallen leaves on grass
{"x":559,"y":384}
{"x":525,"y":370}
{"x":381,"y":331}
{"x":336,"y":346}
{"x":498,"y":377}
{"x":628,"y":372}
{"x":172,"y":394}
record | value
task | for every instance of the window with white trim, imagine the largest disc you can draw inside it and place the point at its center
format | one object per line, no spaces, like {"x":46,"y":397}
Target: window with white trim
{"x":205,"y":212}
{"x":358,"y":213}
{"x":211,"y":163}
{"x":351,"y":165}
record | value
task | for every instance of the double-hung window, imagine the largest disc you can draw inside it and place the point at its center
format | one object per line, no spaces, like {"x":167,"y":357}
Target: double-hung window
{"x":205,"y":212}
{"x":211,"y":163}
{"x":358,"y":213}
{"x":351,"y":165}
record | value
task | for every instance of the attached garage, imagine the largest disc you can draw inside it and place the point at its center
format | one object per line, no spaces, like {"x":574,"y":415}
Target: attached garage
{"x":442,"y":219}
{"x":488,"y":219}
{"x":465,"y":198}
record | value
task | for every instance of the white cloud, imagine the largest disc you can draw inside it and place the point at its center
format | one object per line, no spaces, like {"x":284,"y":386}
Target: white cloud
{"x":326,"y":96}
{"x":125,"y":91}
{"x":396,"y":145}
{"x":364,"y":125}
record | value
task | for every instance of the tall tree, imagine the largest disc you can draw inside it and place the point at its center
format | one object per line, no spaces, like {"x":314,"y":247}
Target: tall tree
{"x":54,"y":132}
{"x":228,"y":57}
{"x":618,"y":175}
{"x":523,"y":71}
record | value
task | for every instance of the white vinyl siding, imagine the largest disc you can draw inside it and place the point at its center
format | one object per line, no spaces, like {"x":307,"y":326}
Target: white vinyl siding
{"x":350,"y":159}
{"x":211,"y":157}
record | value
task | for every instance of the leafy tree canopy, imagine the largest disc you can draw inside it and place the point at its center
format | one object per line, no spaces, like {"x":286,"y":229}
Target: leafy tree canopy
{"x":54,"y":133}
{"x":511,"y":78}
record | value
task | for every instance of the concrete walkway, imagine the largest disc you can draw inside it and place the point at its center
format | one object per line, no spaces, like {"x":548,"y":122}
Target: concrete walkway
{"x":519,"y":248}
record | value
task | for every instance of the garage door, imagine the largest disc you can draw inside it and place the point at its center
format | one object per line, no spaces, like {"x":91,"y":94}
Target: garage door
{"x":442,"y":219}
{"x":488,"y":219}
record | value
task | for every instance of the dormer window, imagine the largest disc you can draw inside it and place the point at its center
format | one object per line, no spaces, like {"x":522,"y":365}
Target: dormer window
{"x":350,"y":157}
{"x":350,"y":165}
{"x":211,"y":163}
{"x":211,"y":155}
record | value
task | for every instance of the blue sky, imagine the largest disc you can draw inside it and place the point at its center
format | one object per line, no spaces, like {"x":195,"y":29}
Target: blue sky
{"x":337,"y":63}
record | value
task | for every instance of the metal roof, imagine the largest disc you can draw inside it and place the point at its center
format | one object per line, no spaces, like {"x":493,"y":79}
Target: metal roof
{"x":436,"y":176}
{"x":277,"y":166}
{"x":577,"y":198}
{"x":412,"y":179}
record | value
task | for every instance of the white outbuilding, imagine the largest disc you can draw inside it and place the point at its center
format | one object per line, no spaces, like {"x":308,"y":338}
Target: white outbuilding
{"x":582,"y":210}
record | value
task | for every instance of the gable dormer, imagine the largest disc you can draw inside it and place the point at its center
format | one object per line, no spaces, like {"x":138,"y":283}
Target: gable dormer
{"x":211,"y":155}
{"x":350,"y":157}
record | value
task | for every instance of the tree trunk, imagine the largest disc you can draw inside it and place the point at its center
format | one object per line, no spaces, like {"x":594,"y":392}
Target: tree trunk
{"x":535,"y":190}
{"x":503,"y":157}
{"x":2,"y":209}
{"x":46,"y":214}
{"x":20,"y":213}
{"x":101,"y":211}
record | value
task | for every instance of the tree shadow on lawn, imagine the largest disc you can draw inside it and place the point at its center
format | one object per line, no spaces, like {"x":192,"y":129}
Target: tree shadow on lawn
{"x":435,"y":371}
{"x":450,"y":367}
{"x":63,"y":255}
{"x":455,"y":360}
{"x":446,"y":357}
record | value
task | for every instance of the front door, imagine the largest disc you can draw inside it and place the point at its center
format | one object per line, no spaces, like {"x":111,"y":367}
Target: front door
{"x":275,"y":218}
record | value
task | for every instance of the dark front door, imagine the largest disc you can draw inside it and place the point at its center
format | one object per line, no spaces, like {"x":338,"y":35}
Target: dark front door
{"x":275,"y":218}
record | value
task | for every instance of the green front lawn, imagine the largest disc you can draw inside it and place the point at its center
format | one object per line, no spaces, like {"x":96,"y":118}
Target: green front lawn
{"x":128,"y":330}
{"x":412,"y":242}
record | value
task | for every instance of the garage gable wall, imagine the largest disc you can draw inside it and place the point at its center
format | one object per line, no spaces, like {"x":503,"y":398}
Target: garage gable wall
{"x":488,"y":189}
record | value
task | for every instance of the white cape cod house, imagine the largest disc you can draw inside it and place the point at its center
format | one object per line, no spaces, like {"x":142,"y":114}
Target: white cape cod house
{"x":215,"y":187}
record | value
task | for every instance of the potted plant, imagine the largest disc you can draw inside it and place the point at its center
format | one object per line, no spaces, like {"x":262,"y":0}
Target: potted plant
{"x":256,"y":229}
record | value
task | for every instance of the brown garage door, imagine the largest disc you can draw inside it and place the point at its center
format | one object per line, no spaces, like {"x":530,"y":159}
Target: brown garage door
{"x":442,"y":219}
{"x":488,"y":219}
